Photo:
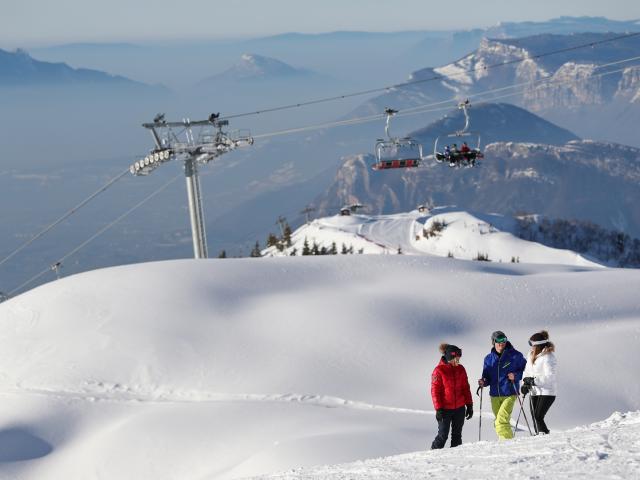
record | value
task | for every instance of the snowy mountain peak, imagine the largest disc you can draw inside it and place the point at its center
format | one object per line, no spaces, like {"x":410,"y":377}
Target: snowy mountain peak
{"x":253,"y":67}
{"x":259,"y":65}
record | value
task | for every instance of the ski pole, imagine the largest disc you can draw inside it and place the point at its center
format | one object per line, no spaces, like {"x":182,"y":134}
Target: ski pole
{"x":515,"y":429}
{"x":534,"y":412}
{"x":481,"y":390}
{"x":521,"y":406}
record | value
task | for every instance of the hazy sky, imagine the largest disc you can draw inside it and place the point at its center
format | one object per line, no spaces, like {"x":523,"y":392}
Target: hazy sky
{"x":42,"y":22}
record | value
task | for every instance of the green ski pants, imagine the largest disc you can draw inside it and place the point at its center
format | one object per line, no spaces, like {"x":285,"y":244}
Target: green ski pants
{"x":502,"y":408}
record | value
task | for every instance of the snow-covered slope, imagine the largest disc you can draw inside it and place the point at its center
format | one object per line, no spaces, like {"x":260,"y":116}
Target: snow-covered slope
{"x":604,"y":450}
{"x":229,"y":368}
{"x":445,"y":232}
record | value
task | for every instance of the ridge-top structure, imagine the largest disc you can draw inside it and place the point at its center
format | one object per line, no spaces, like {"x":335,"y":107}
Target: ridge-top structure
{"x":181,"y":141}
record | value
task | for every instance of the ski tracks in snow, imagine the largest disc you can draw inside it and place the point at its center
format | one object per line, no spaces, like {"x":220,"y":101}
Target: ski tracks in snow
{"x":113,"y":392}
{"x":391,"y":233}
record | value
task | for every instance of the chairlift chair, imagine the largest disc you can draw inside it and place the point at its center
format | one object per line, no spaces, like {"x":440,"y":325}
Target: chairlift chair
{"x":394,"y":152}
{"x":456,"y":159}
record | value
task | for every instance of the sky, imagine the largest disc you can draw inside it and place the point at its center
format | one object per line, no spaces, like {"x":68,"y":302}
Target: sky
{"x":44,"y":22}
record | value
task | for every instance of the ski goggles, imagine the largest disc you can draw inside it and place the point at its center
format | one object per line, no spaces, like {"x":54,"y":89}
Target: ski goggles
{"x":537,"y":342}
{"x":501,"y":340}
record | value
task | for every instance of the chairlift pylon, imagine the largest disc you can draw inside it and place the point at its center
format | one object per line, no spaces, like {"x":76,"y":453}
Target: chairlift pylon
{"x":395,"y":152}
{"x":463,"y":155}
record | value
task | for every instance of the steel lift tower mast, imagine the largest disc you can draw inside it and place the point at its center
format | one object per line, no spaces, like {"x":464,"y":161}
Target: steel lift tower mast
{"x":177,"y":141}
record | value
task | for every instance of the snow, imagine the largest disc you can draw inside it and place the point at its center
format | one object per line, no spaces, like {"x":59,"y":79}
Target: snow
{"x":227,"y":368}
{"x":603,"y":450}
{"x":465,"y":236}
{"x":457,"y":72}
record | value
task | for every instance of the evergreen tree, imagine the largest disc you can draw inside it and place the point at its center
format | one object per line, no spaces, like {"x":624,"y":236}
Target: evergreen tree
{"x":305,"y":247}
{"x":315,"y":250}
{"x":272,"y":240}
{"x":293,"y":252}
{"x":334,"y":249}
{"x":256,"y":250}
{"x":344,"y":249}
{"x":286,"y":238}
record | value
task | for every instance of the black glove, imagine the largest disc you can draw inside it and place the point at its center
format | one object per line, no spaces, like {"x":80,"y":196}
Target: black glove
{"x":528,"y":381}
{"x":524,"y":389}
{"x":439,"y":413}
{"x":469,"y":412}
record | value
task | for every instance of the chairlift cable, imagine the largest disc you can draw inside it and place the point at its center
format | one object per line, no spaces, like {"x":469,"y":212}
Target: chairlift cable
{"x":65,"y":216}
{"x":427,"y":108}
{"x":97,"y":234}
{"x":430,"y":79}
{"x":421,"y":109}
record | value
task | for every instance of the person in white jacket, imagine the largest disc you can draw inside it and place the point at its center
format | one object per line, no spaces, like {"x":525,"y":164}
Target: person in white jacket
{"x":540,"y":378}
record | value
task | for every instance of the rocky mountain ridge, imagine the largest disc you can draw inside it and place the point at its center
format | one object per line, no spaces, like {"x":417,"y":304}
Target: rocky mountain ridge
{"x":570,"y":88}
{"x":19,"y":69}
{"x":582,"y":180}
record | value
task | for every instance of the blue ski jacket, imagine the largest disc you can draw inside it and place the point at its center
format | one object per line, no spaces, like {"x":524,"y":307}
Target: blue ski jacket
{"x":497,"y":367}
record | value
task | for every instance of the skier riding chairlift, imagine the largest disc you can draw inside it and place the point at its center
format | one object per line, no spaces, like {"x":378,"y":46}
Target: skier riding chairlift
{"x":466,"y":156}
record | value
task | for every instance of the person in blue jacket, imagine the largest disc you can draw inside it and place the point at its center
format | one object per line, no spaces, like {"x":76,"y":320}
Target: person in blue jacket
{"x":502,"y":372}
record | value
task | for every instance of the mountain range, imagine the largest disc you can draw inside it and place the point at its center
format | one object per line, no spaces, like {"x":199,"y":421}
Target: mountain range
{"x":311,"y":165}
{"x":583,"y":180}
{"x":19,"y":69}
{"x":570,"y":88}
{"x":343,"y":54}
{"x":281,"y":174}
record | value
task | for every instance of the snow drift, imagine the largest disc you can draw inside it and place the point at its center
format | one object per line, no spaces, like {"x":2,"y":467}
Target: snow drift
{"x":230,"y":368}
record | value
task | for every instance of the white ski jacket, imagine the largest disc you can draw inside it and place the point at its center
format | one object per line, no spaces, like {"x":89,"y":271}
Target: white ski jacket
{"x":543,"y":372}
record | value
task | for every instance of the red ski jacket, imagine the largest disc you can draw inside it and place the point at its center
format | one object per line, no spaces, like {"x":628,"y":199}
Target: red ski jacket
{"x":450,"y":387}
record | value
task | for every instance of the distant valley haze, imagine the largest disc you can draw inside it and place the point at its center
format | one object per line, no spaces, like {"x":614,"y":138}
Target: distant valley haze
{"x":73,"y":109}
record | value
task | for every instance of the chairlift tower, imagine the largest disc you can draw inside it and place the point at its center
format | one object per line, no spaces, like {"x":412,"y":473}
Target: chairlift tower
{"x":307,"y":212}
{"x":194,"y":143}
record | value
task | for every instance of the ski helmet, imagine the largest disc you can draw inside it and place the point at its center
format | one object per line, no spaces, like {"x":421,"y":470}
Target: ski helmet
{"x":498,"y":335}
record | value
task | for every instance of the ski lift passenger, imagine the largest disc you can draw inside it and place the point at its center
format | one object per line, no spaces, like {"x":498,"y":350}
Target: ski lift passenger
{"x":454,"y":155}
{"x":447,"y":152}
{"x":465,"y":152}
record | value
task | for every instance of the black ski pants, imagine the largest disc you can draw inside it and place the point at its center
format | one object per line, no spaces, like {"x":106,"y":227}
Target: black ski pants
{"x":540,"y":405}
{"x":451,"y":420}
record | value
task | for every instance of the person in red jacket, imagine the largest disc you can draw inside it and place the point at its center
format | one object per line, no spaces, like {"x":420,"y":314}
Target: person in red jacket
{"x":451,"y":396}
